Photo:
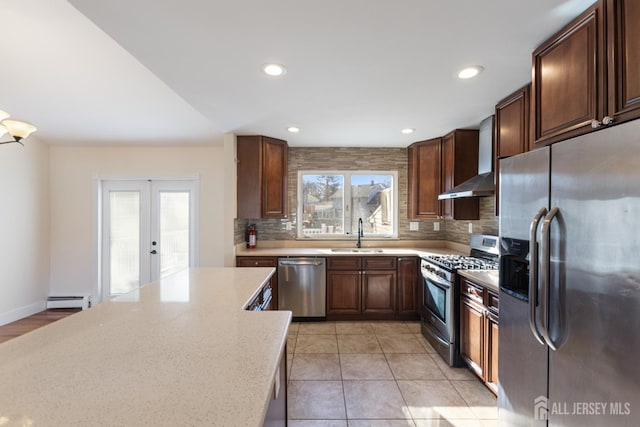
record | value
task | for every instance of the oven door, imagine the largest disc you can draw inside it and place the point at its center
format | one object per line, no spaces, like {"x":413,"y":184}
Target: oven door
{"x":437,"y":308}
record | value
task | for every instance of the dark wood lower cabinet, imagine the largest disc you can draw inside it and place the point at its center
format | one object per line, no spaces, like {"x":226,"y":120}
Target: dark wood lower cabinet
{"x":472,"y":335}
{"x":379,"y":294}
{"x":492,"y":334}
{"x":409,"y":295}
{"x":343,"y":293}
{"x":360,"y":288}
{"x":479,"y":331}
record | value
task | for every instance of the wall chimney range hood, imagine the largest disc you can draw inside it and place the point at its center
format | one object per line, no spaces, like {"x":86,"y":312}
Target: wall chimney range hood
{"x":482,"y":184}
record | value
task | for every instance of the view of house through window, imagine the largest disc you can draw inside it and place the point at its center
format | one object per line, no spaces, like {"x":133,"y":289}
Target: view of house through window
{"x":331,"y":203}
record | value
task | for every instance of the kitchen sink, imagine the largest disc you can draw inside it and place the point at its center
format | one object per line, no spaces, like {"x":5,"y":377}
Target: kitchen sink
{"x":358,"y":251}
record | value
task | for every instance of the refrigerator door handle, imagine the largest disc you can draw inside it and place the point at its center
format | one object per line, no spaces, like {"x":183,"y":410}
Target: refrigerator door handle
{"x":545,"y":291}
{"x":533,"y":274}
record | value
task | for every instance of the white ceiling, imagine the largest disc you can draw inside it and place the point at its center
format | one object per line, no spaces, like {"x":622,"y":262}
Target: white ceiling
{"x":183,"y":72}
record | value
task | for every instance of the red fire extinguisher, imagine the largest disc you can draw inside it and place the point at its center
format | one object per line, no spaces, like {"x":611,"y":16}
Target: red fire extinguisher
{"x":252,"y":237}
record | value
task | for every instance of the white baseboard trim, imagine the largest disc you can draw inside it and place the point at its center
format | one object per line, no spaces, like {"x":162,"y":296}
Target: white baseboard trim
{"x":22,"y":312}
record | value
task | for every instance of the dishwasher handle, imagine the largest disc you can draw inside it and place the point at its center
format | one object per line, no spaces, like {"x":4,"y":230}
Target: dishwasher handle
{"x":305,"y":262}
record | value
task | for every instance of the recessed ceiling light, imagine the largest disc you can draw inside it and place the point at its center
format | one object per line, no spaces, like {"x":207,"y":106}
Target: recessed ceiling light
{"x":407,"y":131}
{"x":274,"y":70}
{"x":293,"y":129}
{"x":471,"y":71}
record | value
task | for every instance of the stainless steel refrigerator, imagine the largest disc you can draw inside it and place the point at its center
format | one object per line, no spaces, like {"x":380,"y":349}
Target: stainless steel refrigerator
{"x":569,"y":344}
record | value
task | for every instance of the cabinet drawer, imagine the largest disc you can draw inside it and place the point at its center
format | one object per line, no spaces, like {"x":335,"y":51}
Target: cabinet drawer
{"x":254,"y":261}
{"x":379,"y":263}
{"x":493,"y":301}
{"x":344,"y":263}
{"x":471,"y":290}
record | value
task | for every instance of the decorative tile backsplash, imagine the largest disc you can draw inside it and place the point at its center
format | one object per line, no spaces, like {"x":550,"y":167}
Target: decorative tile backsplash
{"x":370,"y":159}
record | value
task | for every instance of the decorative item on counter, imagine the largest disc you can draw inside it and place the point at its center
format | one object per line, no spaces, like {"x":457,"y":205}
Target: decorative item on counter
{"x":252,"y":236}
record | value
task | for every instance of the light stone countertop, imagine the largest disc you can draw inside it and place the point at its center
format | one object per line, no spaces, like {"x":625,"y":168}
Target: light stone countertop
{"x":319,"y":251}
{"x":488,"y":278}
{"x":181,"y":351}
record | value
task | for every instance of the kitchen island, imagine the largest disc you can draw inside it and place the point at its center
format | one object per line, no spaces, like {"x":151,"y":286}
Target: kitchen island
{"x":180,"y":351}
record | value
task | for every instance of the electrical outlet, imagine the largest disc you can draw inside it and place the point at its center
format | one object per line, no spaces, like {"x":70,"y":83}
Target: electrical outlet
{"x":470,"y":227}
{"x":289,"y":226}
{"x":436,"y":226}
{"x":414,"y":226}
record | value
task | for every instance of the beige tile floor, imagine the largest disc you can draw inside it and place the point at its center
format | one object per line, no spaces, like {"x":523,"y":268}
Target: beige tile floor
{"x":375,"y":374}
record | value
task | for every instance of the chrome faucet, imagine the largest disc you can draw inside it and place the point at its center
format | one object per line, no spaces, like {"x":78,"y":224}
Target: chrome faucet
{"x":360,"y":233}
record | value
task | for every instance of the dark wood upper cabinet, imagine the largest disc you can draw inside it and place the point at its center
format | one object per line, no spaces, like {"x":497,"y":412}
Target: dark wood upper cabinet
{"x":511,"y":130}
{"x":623,"y":35}
{"x":262,"y":177}
{"x":425,"y":179}
{"x":568,"y":81}
{"x":459,"y":163}
{"x":586,"y":76}
{"x":512,"y":124}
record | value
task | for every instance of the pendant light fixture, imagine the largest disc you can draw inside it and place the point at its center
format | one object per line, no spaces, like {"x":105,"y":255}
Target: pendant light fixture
{"x":17,"y":129}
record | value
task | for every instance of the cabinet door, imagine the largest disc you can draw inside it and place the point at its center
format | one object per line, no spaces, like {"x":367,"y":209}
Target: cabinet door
{"x":409,"y":295}
{"x":274,"y":178}
{"x":343,"y":293}
{"x":512,"y":124}
{"x":249,"y":169}
{"x":424,"y":179}
{"x":379,"y":294}
{"x":459,"y":163}
{"x":491,"y":367}
{"x":512,"y":131}
{"x":567,"y":89}
{"x":472,"y":335}
{"x":624,"y":59}
{"x":261,"y":177}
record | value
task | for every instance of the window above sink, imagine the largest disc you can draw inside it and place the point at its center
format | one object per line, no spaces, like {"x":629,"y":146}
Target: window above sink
{"x":330,"y":203}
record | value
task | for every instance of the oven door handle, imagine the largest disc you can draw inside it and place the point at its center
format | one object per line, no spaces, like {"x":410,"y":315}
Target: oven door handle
{"x":436,"y":279}
{"x":533,"y":275}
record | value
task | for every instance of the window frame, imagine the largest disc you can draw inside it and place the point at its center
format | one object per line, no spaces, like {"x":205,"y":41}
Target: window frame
{"x":348,"y":234}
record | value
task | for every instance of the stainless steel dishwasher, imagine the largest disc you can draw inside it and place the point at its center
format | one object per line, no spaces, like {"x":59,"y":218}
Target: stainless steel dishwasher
{"x":302,"y":287}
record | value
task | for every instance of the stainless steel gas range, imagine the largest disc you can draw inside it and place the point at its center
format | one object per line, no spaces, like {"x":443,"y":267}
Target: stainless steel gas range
{"x":440,"y":310}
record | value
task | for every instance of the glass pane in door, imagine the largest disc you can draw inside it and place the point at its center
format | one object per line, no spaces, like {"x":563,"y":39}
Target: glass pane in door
{"x":174,"y":232}
{"x":124,"y":241}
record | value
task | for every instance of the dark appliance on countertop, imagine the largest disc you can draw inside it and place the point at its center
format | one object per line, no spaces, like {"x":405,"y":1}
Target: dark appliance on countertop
{"x":440,"y":311}
{"x":570,"y":282}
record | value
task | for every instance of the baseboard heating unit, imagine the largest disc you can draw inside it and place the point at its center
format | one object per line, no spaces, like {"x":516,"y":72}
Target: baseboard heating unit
{"x":82,"y":301}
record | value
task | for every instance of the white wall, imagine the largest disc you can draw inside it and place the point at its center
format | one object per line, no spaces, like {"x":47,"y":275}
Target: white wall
{"x":24,"y":229}
{"x":74,"y":173}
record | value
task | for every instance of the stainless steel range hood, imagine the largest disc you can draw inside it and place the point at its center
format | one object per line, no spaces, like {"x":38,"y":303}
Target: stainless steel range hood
{"x":482,"y":184}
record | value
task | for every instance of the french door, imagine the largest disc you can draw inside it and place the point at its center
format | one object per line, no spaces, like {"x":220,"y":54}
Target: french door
{"x":148,"y":232}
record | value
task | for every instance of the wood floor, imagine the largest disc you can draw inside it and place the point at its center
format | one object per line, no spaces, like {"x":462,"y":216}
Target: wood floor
{"x":38,"y":320}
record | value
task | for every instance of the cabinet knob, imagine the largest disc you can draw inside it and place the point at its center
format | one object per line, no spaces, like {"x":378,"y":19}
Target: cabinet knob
{"x":606,"y":121}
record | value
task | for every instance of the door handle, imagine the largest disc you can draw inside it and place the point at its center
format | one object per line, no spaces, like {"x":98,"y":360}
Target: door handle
{"x":533,"y":274}
{"x":546,"y":261}
{"x":153,"y":252}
